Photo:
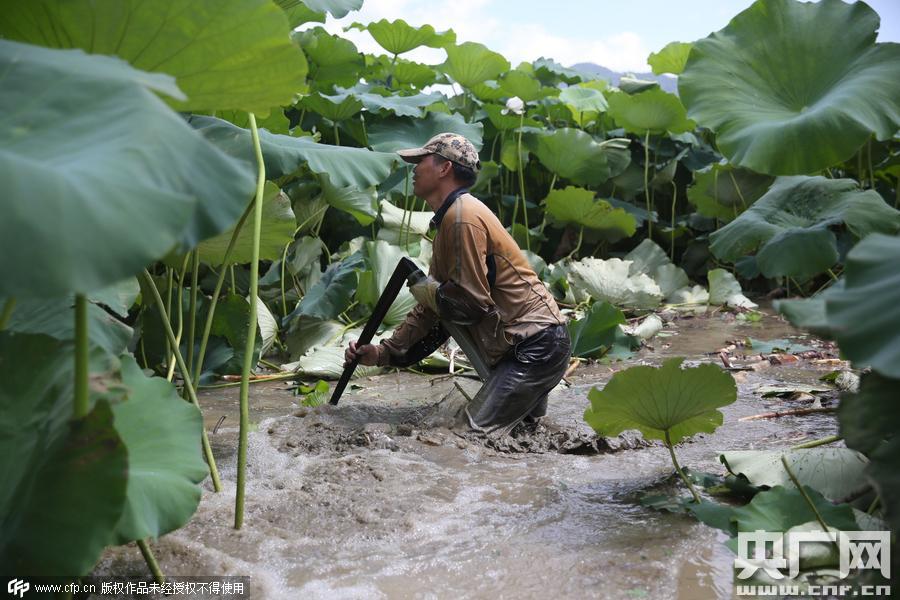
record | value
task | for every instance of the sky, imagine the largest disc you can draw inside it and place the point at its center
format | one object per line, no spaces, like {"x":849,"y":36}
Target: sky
{"x":617,"y":34}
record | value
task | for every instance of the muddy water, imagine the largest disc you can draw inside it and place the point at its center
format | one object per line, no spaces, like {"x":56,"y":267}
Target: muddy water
{"x":377,"y":498}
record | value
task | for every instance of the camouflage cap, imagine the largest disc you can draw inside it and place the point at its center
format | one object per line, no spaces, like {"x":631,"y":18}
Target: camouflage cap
{"x":451,"y":146}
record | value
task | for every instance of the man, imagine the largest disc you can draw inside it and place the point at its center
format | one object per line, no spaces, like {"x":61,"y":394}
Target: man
{"x":480,"y":280}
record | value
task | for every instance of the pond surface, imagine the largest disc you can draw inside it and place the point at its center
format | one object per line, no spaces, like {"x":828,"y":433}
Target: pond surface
{"x":377,"y":498}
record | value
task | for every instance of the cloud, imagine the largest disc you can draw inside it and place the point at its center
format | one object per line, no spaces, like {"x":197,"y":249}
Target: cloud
{"x":471,"y":21}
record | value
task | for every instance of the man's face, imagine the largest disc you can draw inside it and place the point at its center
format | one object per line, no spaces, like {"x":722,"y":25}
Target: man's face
{"x":427,"y":175}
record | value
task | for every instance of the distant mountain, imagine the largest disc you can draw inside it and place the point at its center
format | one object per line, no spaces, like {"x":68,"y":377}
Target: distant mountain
{"x":666,"y":82}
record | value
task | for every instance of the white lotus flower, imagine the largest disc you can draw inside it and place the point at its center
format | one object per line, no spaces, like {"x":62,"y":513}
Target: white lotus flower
{"x":514,"y":105}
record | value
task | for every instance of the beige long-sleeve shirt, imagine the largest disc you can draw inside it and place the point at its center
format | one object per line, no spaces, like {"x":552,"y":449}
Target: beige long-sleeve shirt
{"x":468,"y":241}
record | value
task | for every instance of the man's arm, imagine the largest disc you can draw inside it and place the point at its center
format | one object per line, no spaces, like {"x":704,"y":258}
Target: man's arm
{"x":419,"y":335}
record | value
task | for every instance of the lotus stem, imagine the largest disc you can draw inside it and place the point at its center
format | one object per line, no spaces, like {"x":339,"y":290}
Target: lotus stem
{"x":8,"y":308}
{"x":220,"y":281}
{"x":186,"y":375}
{"x":647,"y":183}
{"x":337,"y":136}
{"x":672,"y":238}
{"x":283,"y":296}
{"x":80,"y":409}
{"x":251,"y":330}
{"x":522,"y":181}
{"x":192,"y":316}
{"x":805,"y":495}
{"x":170,"y":360}
{"x":816,"y":443}
{"x":147,"y":553}
{"x":871,"y":170}
{"x":832,"y":275}
{"x":679,"y":470}
{"x":874,"y":506}
{"x":578,"y":245}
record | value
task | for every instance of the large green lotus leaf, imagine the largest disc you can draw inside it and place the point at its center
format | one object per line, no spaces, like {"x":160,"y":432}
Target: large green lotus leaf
{"x":520,"y":85}
{"x":610,"y":281}
{"x":377,"y":99}
{"x":725,"y":290}
{"x":56,"y":317}
{"x":336,"y":108}
{"x":836,"y":473}
{"x":165,"y":463}
{"x":336,"y":8}
{"x":331,"y":295}
{"x":390,"y":135}
{"x":653,"y":110}
{"x":551,"y":72}
{"x":397,"y":219}
{"x":304,"y":253}
{"x":669,"y":399}
{"x":362,"y":204}
{"x":633,"y":85}
{"x":308,"y":332}
{"x":794,"y":87}
{"x":382,"y":259}
{"x":806,"y":313}
{"x":649,"y":258}
{"x":225,"y":54}
{"x":298,"y":13}
{"x":488,"y":91}
{"x":333,"y":60}
{"x":724,"y":191}
{"x":574,"y":155}
{"x":276,"y":122}
{"x":864,"y":316}
{"x":414,"y":73}
{"x":501,"y":119}
{"x":399,"y":36}
{"x":779,"y":509}
{"x":791,"y":225}
{"x":598,"y":331}
{"x":472,"y":63}
{"x":92,"y":196}
{"x":284,"y":154}
{"x":584,"y":103}
{"x":578,"y":205}
{"x":277,"y":231}
{"x":670,"y":59}
{"x":63,"y":481}
{"x":869,"y":423}
{"x":119,"y":297}
{"x":231,"y":322}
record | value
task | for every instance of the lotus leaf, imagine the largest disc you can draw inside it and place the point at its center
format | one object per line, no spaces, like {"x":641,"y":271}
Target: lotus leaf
{"x":93,"y":196}
{"x":398,"y":219}
{"x":689,"y":295}
{"x":277,"y":231}
{"x":577,"y":205}
{"x":472,"y":63}
{"x":864,"y":315}
{"x":333,"y":60}
{"x":336,"y":8}
{"x":724,"y":191}
{"x":505,"y":121}
{"x":653,"y":111}
{"x":298,"y":13}
{"x":119,"y":297}
{"x":376,"y":99}
{"x":327,"y":362}
{"x":836,"y":473}
{"x":794,"y":87}
{"x":56,"y":317}
{"x":331,"y":295}
{"x":335,"y":108}
{"x":869,"y":423}
{"x":610,"y":281}
{"x":584,"y":103}
{"x":362,"y":204}
{"x":667,"y":403}
{"x":414,"y":73}
{"x":382,"y":259}
{"x":574,"y":155}
{"x":225,"y":54}
{"x":791,"y":225}
{"x":779,"y":509}
{"x":304,"y":253}
{"x":231,"y":322}
{"x":162,"y":434}
{"x":520,"y":85}
{"x":551,"y":72}
{"x":633,"y":85}
{"x":595,"y":334}
{"x":670,"y":59}
{"x":284,"y":154}
{"x":308,"y":332}
{"x":725,"y":290}
{"x":64,"y":481}
{"x":390,"y":135}
{"x":397,"y":37}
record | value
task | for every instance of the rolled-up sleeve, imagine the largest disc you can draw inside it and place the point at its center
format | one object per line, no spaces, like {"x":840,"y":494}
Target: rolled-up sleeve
{"x":418,"y":323}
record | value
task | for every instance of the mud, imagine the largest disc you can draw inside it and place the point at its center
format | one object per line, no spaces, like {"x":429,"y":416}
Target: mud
{"x":388,"y":496}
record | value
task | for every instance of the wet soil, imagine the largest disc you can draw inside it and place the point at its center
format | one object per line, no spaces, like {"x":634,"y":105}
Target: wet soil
{"x":387,"y":496}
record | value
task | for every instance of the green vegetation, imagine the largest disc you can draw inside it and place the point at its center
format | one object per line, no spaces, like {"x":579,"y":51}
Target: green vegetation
{"x":131,"y":174}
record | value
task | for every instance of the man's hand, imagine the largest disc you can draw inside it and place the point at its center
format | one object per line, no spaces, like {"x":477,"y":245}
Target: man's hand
{"x":367,"y":354}
{"x":425,"y":293}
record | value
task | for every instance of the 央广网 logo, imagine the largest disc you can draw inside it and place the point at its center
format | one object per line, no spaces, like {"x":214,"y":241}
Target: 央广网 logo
{"x":18,"y":587}
{"x":775,"y":551}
